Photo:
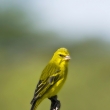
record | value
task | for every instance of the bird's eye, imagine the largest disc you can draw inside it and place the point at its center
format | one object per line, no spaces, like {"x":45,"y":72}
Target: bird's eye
{"x":61,"y":55}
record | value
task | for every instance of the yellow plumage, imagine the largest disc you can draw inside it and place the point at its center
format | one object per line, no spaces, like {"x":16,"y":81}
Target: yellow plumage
{"x":52,"y":77}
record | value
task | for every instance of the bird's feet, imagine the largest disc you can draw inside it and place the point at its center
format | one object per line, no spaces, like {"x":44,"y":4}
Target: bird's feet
{"x":55,"y":104}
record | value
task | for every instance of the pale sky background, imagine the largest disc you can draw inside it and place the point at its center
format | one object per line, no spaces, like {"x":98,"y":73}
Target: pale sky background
{"x":69,"y":17}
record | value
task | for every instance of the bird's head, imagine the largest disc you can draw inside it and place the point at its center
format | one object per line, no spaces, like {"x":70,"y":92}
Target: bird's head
{"x":61,"y":55}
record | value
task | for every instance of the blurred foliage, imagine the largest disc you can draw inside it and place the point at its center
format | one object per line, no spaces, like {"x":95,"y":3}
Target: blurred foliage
{"x":24,"y":53}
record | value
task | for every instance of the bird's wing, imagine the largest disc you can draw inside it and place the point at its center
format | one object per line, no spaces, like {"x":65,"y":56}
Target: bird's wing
{"x":50,"y":75}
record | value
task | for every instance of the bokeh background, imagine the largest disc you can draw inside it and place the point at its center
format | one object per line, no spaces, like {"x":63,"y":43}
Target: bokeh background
{"x":30,"y":32}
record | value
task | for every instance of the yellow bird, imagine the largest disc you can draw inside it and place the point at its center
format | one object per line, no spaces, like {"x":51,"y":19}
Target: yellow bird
{"x":52,"y":79}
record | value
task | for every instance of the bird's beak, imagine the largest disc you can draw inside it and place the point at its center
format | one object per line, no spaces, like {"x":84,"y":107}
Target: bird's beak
{"x":67,"y":57}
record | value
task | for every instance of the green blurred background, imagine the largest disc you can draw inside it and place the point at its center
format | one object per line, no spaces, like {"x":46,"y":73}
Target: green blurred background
{"x":25,"y":50}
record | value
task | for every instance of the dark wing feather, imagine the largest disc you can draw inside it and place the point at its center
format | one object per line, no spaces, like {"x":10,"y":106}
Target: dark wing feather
{"x":49,"y":76}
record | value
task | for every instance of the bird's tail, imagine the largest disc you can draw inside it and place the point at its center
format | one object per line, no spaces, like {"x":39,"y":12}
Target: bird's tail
{"x":35,"y":103}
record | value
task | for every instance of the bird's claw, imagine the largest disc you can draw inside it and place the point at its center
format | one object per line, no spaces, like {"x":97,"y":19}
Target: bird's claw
{"x":56,"y":108}
{"x":56,"y":105}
